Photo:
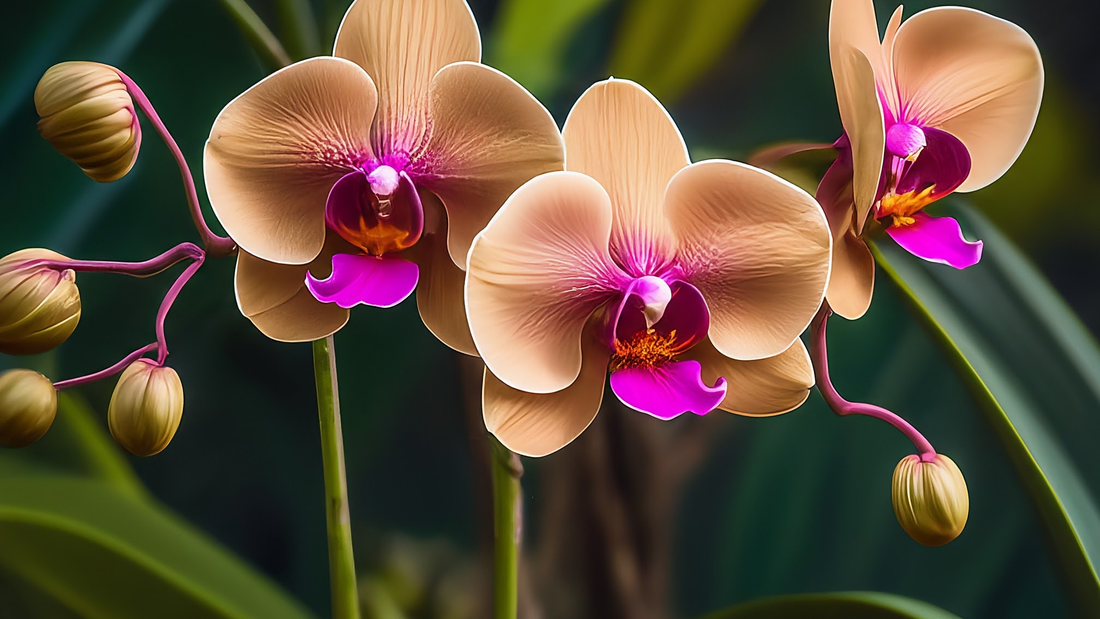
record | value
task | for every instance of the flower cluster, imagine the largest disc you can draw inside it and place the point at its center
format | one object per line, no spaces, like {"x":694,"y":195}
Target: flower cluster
{"x":400,"y":163}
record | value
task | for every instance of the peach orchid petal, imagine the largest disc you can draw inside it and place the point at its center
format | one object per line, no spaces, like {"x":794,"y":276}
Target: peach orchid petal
{"x":538,"y":424}
{"x":760,"y":388}
{"x":439,"y":294}
{"x":535,"y":275}
{"x":276,"y":150}
{"x":886,"y":80}
{"x":620,"y":135}
{"x":756,"y":247}
{"x":856,"y":58}
{"x":402,"y":44}
{"x":975,"y":76}
{"x":852,"y":282}
{"x":274,"y":297}
{"x":489,"y":136}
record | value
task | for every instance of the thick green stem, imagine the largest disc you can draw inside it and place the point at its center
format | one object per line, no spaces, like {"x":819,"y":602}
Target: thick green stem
{"x":263,"y":41}
{"x":507,"y":530}
{"x":341,"y":561}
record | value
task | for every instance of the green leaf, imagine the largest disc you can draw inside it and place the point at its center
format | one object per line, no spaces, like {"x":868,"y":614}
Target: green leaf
{"x":531,"y":38}
{"x":105,"y":554}
{"x":667,"y":46}
{"x":298,"y":25}
{"x":1035,"y":372}
{"x":844,"y":605}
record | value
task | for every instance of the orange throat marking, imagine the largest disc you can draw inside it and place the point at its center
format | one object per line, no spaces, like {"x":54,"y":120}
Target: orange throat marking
{"x":902,"y":207}
{"x":644,"y":349}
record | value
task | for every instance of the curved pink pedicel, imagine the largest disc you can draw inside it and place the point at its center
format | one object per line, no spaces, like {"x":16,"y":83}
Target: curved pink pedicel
{"x":667,"y":391}
{"x":937,"y":239}
{"x":377,"y":223}
{"x":685,"y":314}
{"x":380,"y":281}
{"x":944,"y":162}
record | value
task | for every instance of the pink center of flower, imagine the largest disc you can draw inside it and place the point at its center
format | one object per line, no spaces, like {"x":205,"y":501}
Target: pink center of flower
{"x":655,"y":321}
{"x":922,"y":165}
{"x":379,"y":212}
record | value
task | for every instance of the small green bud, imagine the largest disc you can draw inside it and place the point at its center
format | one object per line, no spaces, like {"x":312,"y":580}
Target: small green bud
{"x":39,"y":305}
{"x":88,"y":115}
{"x":145,"y":408}
{"x":930,"y":499}
{"x":28,"y":405}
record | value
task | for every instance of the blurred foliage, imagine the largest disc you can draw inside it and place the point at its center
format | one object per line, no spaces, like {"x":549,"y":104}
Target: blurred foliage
{"x":854,"y":605}
{"x":1035,"y":371}
{"x":795,"y":504}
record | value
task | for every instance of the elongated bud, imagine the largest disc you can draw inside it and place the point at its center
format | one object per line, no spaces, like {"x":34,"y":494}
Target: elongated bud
{"x":28,"y":405}
{"x":930,"y":499}
{"x":145,"y":408}
{"x":39,"y":305}
{"x":88,"y":115}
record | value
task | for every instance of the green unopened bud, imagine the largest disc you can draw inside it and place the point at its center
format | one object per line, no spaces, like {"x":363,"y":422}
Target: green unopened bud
{"x":28,"y":404}
{"x":930,"y":499}
{"x":39,"y":305}
{"x":88,"y":115}
{"x":145,"y":408}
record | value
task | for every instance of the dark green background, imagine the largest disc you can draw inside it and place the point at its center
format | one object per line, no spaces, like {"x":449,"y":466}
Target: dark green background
{"x":791,"y":504}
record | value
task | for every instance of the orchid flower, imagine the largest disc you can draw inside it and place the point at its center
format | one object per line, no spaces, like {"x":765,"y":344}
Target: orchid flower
{"x":690,"y":282}
{"x":357,"y":178}
{"x":945,"y":102}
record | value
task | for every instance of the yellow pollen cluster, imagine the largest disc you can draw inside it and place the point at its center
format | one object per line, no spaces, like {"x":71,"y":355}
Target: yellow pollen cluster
{"x":902,"y":207}
{"x":645,"y":349}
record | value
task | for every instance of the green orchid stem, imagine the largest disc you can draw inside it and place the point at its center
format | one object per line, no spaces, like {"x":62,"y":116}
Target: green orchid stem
{"x":341,"y":559}
{"x":263,"y":41}
{"x":507,"y":529}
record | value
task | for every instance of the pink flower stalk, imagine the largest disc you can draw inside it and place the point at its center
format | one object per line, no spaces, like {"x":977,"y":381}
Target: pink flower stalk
{"x":689,"y":282}
{"x":357,"y":178}
{"x":944,"y":102}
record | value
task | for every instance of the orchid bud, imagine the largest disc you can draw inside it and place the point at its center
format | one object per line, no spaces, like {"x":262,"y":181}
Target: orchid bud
{"x":145,"y":408}
{"x":28,"y":405}
{"x":930,"y":499}
{"x":88,"y":115}
{"x":39,"y":305}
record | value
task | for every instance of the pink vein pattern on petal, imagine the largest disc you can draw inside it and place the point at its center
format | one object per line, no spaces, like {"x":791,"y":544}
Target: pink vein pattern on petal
{"x":402,"y":44}
{"x":756,"y":247}
{"x":976,"y":76}
{"x":489,"y":136}
{"x":668,"y":391}
{"x":937,"y":239}
{"x":535,"y":275}
{"x":380,"y":281}
{"x":276,"y":150}
{"x":620,"y":135}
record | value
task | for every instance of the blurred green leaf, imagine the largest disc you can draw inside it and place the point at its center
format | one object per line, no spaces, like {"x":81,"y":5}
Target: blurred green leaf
{"x":1034,"y":369}
{"x":846,"y":605}
{"x":298,"y":24}
{"x":667,"y":46}
{"x":77,"y":444}
{"x":530,"y":39}
{"x":105,"y":554}
{"x":259,"y":36}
